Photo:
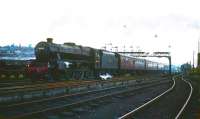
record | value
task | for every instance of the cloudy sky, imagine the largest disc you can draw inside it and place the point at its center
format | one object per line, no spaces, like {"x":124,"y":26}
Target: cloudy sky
{"x":146,"y":25}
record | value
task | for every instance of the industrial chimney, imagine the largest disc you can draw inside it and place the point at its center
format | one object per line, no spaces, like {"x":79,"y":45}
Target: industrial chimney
{"x":49,"y":40}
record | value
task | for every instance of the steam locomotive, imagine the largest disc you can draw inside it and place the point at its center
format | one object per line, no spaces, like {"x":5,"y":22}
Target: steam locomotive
{"x":68,"y":60}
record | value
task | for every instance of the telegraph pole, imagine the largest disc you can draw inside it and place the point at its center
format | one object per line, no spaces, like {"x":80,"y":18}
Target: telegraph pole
{"x":193,"y":60}
{"x":170,"y":66}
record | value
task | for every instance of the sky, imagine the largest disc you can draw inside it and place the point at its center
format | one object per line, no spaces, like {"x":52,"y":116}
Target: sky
{"x":144,"y":25}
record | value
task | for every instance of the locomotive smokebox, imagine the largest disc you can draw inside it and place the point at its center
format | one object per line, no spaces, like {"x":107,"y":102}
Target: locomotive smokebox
{"x":49,"y":40}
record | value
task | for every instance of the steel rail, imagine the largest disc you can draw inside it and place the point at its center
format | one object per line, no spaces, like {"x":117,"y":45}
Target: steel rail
{"x":127,"y":115}
{"x":186,"y":102}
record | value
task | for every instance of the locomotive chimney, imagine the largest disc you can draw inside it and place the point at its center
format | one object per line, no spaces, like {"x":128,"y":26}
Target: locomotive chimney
{"x":49,"y":40}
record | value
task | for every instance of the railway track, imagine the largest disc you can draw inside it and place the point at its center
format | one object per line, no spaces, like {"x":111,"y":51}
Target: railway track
{"x":13,"y":83}
{"x":29,"y":109}
{"x":26,"y":86}
{"x":168,"y":105}
{"x":26,"y":93}
{"x":42,"y":85}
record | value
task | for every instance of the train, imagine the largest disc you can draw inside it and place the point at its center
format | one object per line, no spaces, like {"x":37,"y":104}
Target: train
{"x":70,"y":61}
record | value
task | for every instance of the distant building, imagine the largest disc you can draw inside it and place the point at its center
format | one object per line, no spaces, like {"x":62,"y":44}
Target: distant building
{"x":17,"y":52}
{"x":186,"y":68}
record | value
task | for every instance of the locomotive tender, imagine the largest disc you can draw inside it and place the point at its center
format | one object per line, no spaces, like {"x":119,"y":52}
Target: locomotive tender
{"x":69,"y":60}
